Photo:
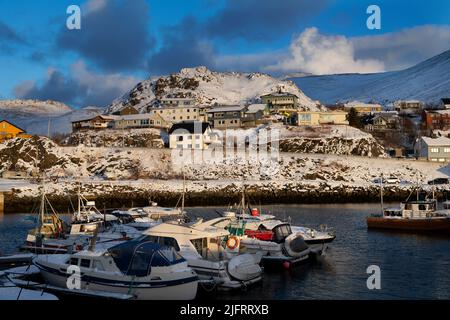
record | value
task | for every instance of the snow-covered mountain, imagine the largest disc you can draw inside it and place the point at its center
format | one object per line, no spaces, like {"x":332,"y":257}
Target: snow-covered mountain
{"x":34,"y":107}
{"x":207,"y":87}
{"x":34,"y":115}
{"x":428,"y":81}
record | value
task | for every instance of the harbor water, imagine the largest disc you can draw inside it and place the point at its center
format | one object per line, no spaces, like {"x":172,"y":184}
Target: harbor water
{"x":413,"y":266}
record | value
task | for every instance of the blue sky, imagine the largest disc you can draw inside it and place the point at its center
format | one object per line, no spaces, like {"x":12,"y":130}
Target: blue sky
{"x":122,"y":42}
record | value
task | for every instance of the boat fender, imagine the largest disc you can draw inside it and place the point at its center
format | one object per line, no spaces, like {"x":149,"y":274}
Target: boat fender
{"x":232,"y":242}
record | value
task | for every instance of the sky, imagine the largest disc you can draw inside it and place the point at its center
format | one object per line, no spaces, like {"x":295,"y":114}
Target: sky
{"x":122,"y":42}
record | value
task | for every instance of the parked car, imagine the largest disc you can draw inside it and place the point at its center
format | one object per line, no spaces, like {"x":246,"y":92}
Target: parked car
{"x":392,"y":180}
{"x":438,"y":181}
{"x":379,"y":180}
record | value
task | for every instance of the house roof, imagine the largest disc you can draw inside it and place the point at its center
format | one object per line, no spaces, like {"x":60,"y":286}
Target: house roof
{"x":23,"y":131}
{"x":362,"y":104}
{"x":438,"y":142}
{"x":447,"y":112}
{"x":256,"y":107}
{"x":280,"y":94}
{"x":226,"y":109}
{"x":103,"y":116}
{"x":141,"y":116}
{"x":446,"y":100}
{"x":192,"y":127}
{"x":386,"y":115}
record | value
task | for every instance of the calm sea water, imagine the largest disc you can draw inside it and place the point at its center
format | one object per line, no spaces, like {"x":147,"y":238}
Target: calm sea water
{"x":412,"y":266}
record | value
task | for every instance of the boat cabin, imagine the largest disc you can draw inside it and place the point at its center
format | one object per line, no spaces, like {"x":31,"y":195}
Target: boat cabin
{"x":133,"y":258}
{"x":197,"y":241}
{"x":418,"y":209}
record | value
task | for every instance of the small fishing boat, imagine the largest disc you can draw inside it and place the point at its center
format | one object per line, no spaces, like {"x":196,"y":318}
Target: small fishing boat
{"x":418,"y":215}
{"x":415,"y":215}
{"x":87,"y":221}
{"x":140,"y":268}
{"x":49,"y":224}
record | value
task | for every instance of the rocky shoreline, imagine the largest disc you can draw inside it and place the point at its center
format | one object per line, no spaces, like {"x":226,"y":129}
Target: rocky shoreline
{"x":124,"y":196}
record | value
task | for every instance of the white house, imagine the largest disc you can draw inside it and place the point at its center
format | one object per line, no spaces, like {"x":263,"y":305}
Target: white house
{"x":437,"y":150}
{"x":445,"y":103}
{"x":191,"y":135}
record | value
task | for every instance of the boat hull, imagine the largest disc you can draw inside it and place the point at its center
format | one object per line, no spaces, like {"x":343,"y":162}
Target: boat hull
{"x":422,"y":225}
{"x":181,"y":290}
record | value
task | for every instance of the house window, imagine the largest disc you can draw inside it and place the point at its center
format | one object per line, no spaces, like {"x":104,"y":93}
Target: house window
{"x":189,"y":146}
{"x":197,"y":146}
{"x":447,"y":150}
{"x":180,"y":138}
{"x":197,"y":137}
{"x":189,"y":137}
{"x":179,"y":146}
{"x":434,"y":150}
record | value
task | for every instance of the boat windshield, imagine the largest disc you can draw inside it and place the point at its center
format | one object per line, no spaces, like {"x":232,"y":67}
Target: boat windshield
{"x":137,"y":257}
{"x":281,"y":232}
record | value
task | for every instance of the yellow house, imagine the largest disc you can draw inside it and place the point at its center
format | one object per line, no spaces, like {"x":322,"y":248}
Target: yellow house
{"x":10,"y":131}
{"x":315,"y":118}
{"x":364,"y":108}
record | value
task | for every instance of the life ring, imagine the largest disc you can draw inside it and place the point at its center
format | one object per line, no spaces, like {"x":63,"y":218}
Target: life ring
{"x":233,"y":242}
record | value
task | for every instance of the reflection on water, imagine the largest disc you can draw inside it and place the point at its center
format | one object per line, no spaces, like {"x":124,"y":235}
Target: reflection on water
{"x":412,"y":266}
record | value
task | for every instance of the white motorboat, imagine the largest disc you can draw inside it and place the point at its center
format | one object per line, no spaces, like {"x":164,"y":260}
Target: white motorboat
{"x":317,"y":240}
{"x":273,"y":240}
{"x":140,"y":268}
{"x":156,"y":212}
{"x":136,"y":218}
{"x":203,"y":246}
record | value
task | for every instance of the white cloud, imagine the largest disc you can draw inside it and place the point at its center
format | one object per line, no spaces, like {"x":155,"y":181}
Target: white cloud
{"x":100,"y":87}
{"x":315,"y":53}
{"x":404,"y":48}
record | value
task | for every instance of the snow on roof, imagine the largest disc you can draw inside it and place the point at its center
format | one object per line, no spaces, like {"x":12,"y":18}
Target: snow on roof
{"x":256,"y":107}
{"x":447,"y":112}
{"x":105,"y":117}
{"x":280,"y":94}
{"x":361,"y":104}
{"x":441,"y":141}
{"x":227,"y":108}
{"x":141,"y":116}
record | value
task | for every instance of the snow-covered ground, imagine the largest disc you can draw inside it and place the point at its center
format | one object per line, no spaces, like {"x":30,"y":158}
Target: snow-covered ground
{"x":144,"y":169}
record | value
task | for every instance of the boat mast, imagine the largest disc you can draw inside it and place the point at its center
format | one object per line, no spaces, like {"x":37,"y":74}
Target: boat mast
{"x":381,"y":194}
{"x":42,"y":208}
{"x":184,"y":190}
{"x":79,"y":202}
{"x":417,"y":182}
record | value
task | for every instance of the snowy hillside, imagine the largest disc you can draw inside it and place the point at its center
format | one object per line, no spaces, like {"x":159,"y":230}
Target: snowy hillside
{"x":208,"y":87}
{"x":427,"y":81}
{"x":26,"y":107}
{"x":33,"y":115}
{"x":61,"y":123}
